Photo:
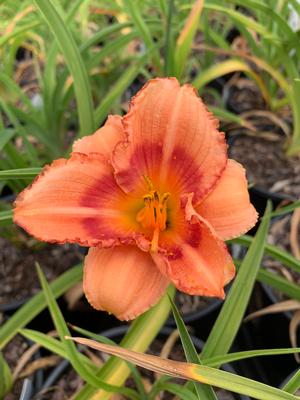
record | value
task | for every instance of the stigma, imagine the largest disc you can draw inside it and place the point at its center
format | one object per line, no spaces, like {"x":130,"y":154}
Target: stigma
{"x":154,"y":215}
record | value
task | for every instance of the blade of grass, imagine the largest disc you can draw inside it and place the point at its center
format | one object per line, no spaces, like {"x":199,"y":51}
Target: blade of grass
{"x":118,"y":88}
{"x":75,"y":63}
{"x":145,"y":33}
{"x":32,"y":154}
{"x":15,"y":90}
{"x":204,"y":392}
{"x":6,"y":380}
{"x":55,"y":346}
{"x":227,"y":116}
{"x":280,"y":283}
{"x":242,"y":355}
{"x":226,"y":67}
{"x":273,"y":251}
{"x":20,"y":173}
{"x":6,"y":216}
{"x":245,"y":20}
{"x":169,"y":42}
{"x":286,"y":209}
{"x":185,"y":39}
{"x":5,"y":136}
{"x":293,"y":384}
{"x":294,"y":145}
{"x":37,"y":303}
{"x":18,"y":32}
{"x":179,"y":391}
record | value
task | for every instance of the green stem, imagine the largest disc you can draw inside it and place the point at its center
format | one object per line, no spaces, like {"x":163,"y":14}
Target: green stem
{"x":141,"y":333}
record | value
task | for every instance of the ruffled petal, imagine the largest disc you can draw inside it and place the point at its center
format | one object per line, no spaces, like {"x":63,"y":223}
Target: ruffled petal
{"x":227,"y":207}
{"x":123,"y":281}
{"x":172,"y":139}
{"x":76,"y":200}
{"x":195,"y":259}
{"x":104,"y":140}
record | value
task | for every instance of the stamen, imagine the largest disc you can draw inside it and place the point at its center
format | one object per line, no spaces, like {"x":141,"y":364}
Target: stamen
{"x":154,"y":214}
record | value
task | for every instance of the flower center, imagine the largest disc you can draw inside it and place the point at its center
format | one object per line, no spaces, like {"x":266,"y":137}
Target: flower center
{"x":154,"y":214}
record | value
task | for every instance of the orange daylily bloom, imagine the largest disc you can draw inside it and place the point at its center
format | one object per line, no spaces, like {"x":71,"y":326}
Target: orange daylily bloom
{"x":154,"y":196}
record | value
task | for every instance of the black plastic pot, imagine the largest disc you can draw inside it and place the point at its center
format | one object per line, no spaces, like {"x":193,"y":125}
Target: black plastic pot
{"x":32,"y":384}
{"x":270,"y":293}
{"x":27,"y":390}
{"x":13,"y":305}
{"x":195,"y":316}
{"x":260,"y":195}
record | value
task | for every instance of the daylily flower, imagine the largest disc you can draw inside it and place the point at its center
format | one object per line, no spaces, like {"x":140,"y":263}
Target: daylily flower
{"x":154,"y":197}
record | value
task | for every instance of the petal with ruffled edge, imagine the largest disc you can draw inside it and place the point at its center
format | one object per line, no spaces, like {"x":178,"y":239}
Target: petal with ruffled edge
{"x":227,"y":208}
{"x":123,"y":281}
{"x":172,"y":139}
{"x":104,"y":140}
{"x":195,"y":259}
{"x":77,"y":200}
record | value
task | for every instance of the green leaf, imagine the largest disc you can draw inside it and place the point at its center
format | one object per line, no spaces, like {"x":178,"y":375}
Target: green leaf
{"x":245,"y":20}
{"x":280,"y":283}
{"x":37,"y":303}
{"x":70,"y":348}
{"x":5,"y":136}
{"x":294,"y":146}
{"x":20,"y":173}
{"x":6,"y":216}
{"x":225,"y":67}
{"x":18,"y":32}
{"x":179,"y":391}
{"x":134,"y":371}
{"x":73,"y":354}
{"x":6,"y":380}
{"x":227,"y":324}
{"x":242,"y":355}
{"x":143,"y":29}
{"x":273,"y":251}
{"x":169,"y":42}
{"x":32,"y":153}
{"x":286,"y":209}
{"x":75,"y":63}
{"x":55,"y":346}
{"x":15,"y":90}
{"x":192,"y":372}
{"x":204,"y":392}
{"x":185,"y":39}
{"x":118,"y":88}
{"x":293,"y":384}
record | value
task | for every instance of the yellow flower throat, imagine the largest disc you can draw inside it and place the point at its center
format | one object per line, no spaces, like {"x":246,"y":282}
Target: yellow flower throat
{"x":154,"y":214}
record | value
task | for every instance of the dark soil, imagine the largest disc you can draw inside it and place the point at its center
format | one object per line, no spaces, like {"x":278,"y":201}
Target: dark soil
{"x":17,"y":268}
{"x":279,"y":235}
{"x":187,"y":304}
{"x":12,"y":353}
{"x":64,"y":387}
{"x":68,"y":384}
{"x":267,"y":165}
